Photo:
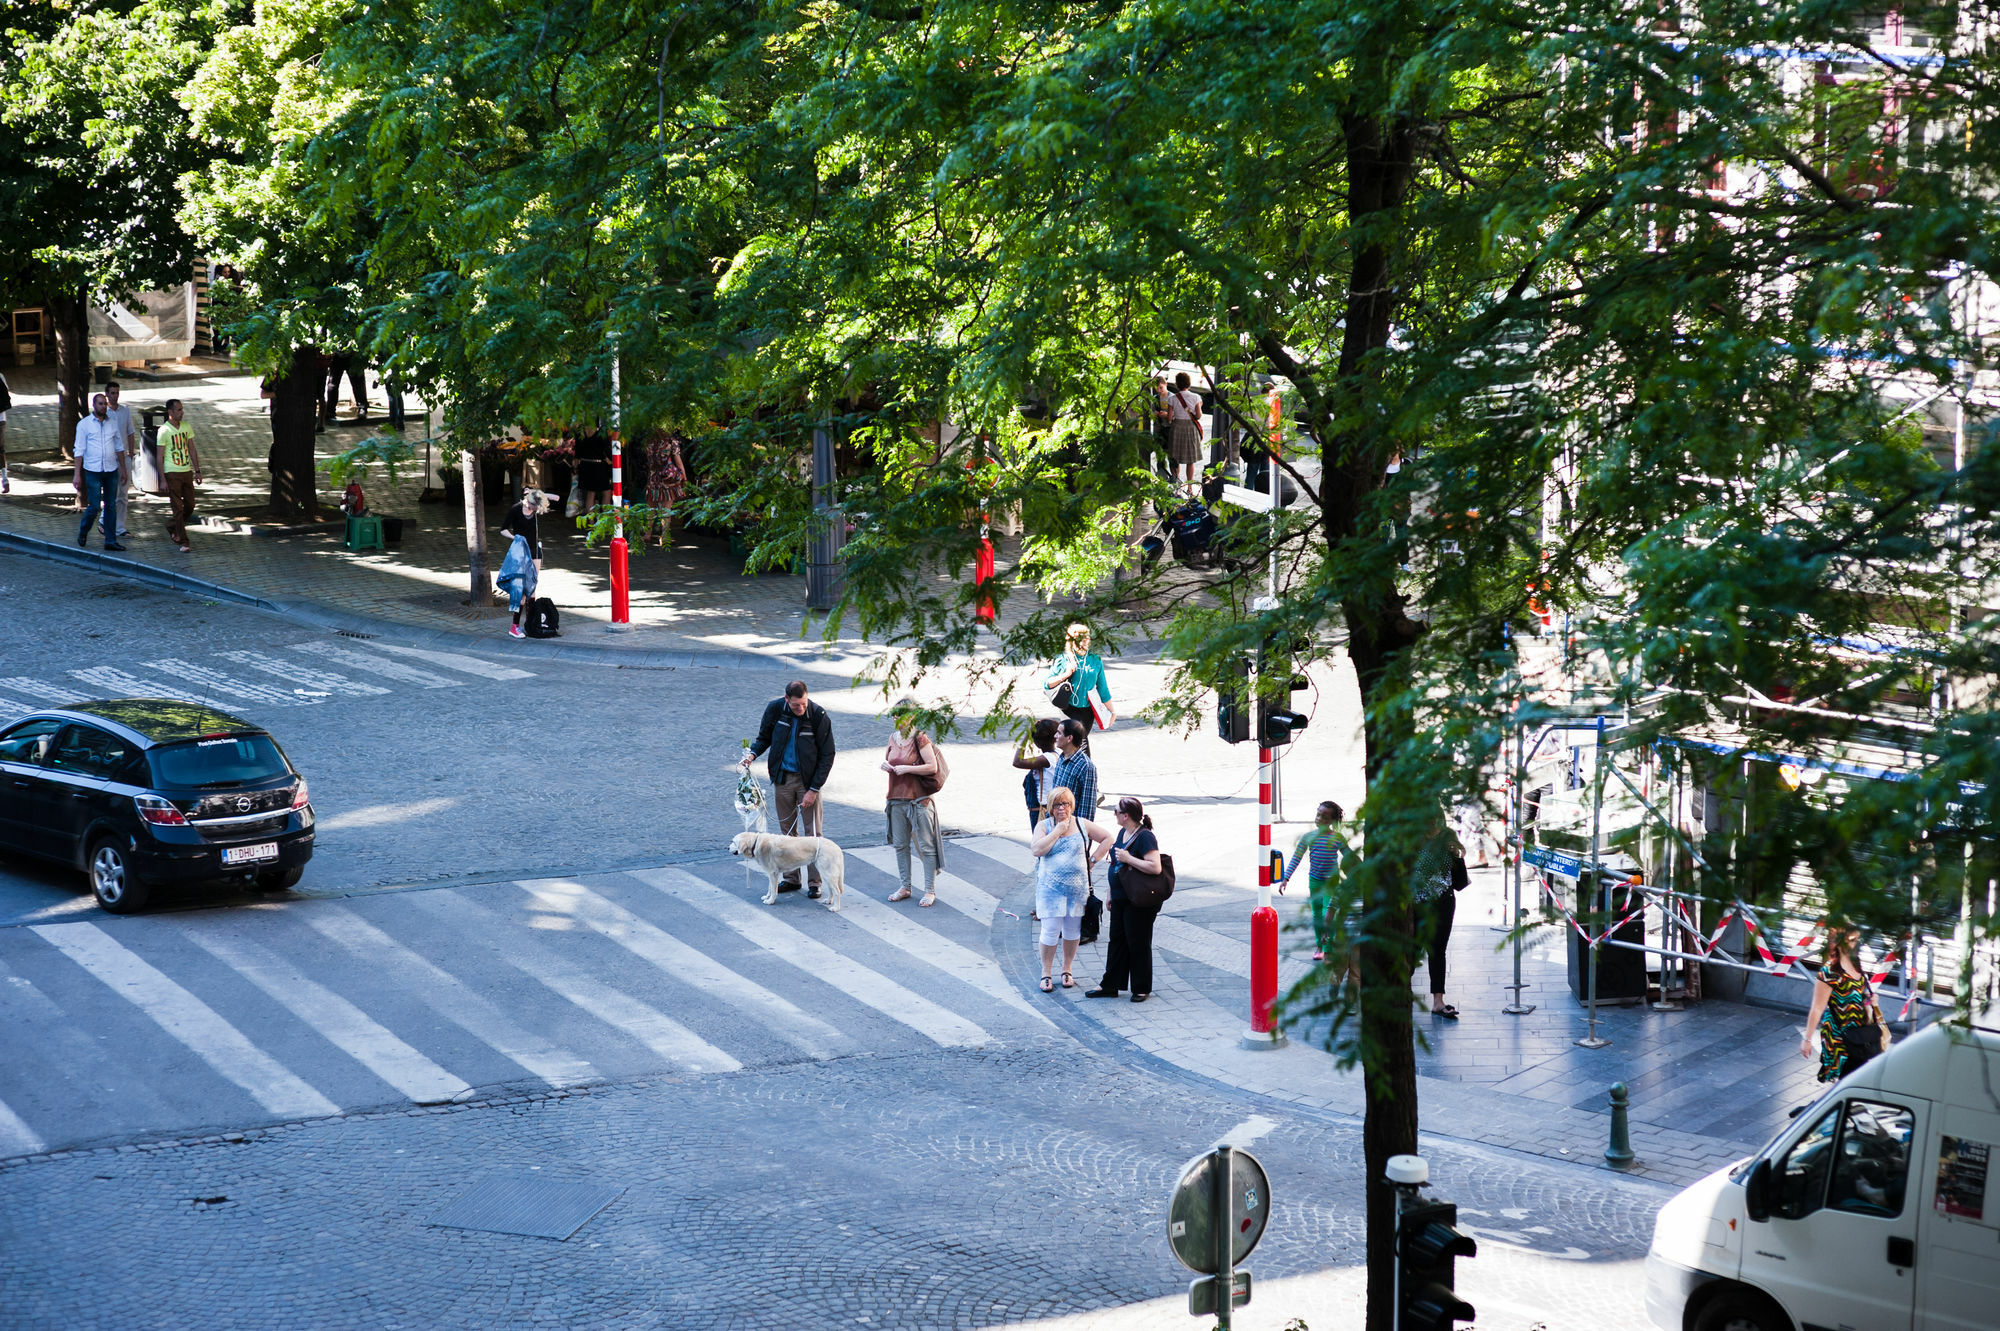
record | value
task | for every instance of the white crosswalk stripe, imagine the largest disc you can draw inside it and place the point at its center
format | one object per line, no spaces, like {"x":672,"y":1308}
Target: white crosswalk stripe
{"x":785,"y":1019}
{"x":215,"y":682}
{"x":113,"y":683}
{"x":654,"y":1029}
{"x":323,"y":680}
{"x":47,"y":693}
{"x":434,"y":992}
{"x":194,"y":1023}
{"x":888,"y":924}
{"x":1010,"y":853}
{"x":16,"y":1138}
{"x":451,"y":999}
{"x":471,"y":665}
{"x":781,"y":940}
{"x":8,"y":707}
{"x":346,"y":1026}
{"x":375,"y":665}
{"x":960,"y":895}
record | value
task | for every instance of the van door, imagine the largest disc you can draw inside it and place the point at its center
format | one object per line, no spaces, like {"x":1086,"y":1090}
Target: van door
{"x":1839,"y":1250}
{"x":1958,"y":1275}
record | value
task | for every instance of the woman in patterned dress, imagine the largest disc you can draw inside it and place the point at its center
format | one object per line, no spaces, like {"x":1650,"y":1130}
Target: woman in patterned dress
{"x":1842,"y":1000}
{"x":1061,"y":846}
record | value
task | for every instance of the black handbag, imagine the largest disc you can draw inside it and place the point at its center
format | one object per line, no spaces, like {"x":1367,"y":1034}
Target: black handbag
{"x":1093,"y":908}
{"x":1148,"y":891}
{"x":1461,"y":877}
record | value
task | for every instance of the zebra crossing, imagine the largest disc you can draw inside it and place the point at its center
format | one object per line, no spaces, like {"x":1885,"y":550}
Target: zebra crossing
{"x":175,"y":1023}
{"x":308,"y":674}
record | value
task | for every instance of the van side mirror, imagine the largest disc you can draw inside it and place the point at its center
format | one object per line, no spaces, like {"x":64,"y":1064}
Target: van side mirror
{"x":1757,"y":1192}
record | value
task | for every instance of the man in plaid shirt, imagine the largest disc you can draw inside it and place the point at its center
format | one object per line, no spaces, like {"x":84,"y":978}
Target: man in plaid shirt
{"x":1075,"y":770}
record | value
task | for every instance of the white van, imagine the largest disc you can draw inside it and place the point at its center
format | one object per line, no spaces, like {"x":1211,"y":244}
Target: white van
{"x":1873,"y":1211}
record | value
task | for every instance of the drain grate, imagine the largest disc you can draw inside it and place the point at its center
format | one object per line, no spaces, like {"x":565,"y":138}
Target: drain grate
{"x":350,"y":633}
{"x":534,"y":1207}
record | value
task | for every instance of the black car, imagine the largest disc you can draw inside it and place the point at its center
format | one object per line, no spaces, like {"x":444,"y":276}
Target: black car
{"x":140,"y":792}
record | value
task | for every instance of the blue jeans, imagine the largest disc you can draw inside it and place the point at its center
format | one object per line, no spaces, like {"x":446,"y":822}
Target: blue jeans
{"x":100,"y":492}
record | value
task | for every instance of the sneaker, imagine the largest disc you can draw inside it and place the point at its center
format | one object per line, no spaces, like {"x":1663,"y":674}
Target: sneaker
{"x":513,"y":630}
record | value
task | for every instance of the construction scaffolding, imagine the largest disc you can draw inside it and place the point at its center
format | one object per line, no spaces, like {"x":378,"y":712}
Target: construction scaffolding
{"x":1653,"y":826}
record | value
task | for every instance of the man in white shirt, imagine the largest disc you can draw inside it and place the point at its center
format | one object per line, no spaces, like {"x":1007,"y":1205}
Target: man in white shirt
{"x":121,"y":416}
{"x":100,"y":468}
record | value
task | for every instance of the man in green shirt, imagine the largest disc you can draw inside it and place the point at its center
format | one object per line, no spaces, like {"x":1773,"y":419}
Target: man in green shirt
{"x":180,"y":469}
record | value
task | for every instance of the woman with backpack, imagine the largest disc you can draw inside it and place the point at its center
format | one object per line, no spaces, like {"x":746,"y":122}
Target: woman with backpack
{"x":1850,"y":1024}
{"x":917,"y":772}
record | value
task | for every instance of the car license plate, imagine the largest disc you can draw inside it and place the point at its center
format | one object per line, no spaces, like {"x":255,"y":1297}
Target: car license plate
{"x":263,"y":850}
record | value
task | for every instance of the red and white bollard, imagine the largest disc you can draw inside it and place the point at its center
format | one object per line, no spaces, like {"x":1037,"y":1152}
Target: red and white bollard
{"x":1263,"y":1033}
{"x":621,"y":555}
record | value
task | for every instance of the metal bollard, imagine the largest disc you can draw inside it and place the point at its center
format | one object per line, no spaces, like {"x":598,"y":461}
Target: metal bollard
{"x":1619,"y":1154}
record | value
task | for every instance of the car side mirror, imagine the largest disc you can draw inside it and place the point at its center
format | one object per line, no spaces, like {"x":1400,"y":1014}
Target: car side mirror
{"x":1757,"y":1192}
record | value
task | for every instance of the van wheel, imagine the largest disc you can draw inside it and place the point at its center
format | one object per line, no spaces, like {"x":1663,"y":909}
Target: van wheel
{"x":280,"y":880}
{"x":112,"y":880}
{"x":1741,"y":1310}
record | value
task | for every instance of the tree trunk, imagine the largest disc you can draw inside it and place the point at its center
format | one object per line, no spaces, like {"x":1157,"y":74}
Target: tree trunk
{"x":479,"y":582}
{"x":1380,"y":158}
{"x":69,"y":317}
{"x":294,"y":430}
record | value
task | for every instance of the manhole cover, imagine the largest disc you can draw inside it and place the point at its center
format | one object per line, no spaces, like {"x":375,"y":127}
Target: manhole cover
{"x":538,"y":1209}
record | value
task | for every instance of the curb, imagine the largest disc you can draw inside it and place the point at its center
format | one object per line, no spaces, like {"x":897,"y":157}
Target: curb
{"x":79,"y":557}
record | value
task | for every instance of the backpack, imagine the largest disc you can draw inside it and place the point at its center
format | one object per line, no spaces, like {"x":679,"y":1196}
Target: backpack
{"x":543,"y":619}
{"x":933,"y":783}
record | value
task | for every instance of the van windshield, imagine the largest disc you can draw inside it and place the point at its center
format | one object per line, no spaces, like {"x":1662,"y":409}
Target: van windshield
{"x":1806,"y":1115}
{"x":235,"y":760}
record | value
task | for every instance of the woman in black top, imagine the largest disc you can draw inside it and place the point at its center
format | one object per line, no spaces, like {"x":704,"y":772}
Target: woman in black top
{"x":593,"y":470}
{"x":1128,"y":956}
{"x":524,"y":519}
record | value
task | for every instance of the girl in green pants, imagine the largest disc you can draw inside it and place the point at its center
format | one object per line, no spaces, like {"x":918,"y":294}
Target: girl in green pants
{"x":1322,"y":850}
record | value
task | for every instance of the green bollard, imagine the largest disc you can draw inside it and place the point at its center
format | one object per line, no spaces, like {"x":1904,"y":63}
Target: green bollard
{"x":1619,"y":1154}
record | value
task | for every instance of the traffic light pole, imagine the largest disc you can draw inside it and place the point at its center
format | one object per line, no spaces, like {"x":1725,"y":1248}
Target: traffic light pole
{"x":1263,"y":1033}
{"x":621,"y":568}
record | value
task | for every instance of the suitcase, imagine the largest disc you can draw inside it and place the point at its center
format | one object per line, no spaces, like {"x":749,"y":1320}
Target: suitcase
{"x":543,"y":620}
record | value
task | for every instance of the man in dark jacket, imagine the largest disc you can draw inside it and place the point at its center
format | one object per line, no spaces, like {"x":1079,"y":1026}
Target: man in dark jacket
{"x":798,"y":735}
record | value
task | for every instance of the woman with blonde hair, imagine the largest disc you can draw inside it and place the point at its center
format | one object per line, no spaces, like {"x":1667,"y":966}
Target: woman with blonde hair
{"x":1061,"y":847}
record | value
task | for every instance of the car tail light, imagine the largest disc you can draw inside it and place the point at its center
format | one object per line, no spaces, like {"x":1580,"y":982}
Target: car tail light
{"x":299,"y":795}
{"x":158,"y":811}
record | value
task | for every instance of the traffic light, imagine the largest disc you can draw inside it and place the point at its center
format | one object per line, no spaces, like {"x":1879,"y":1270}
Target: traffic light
{"x":1279,"y":724}
{"x":1232,"y":705}
{"x":1428,"y":1246}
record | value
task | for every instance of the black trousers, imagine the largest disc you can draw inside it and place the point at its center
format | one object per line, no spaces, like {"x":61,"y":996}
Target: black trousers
{"x":1438,"y":916}
{"x":1128,"y":952}
{"x":1082,"y":715}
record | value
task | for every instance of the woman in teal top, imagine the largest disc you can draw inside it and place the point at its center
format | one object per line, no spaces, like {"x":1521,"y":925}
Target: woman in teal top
{"x":1077,"y":677}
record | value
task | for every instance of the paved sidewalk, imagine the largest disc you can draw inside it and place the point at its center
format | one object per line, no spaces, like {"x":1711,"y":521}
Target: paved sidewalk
{"x":693,"y":597}
{"x":1709,"y":1084}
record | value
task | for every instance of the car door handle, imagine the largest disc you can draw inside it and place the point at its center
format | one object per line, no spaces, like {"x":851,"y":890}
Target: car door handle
{"x":1902,"y":1252}
{"x":79,"y":794}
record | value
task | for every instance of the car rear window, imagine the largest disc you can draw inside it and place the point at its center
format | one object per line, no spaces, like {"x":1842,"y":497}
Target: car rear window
{"x":218,"y":762}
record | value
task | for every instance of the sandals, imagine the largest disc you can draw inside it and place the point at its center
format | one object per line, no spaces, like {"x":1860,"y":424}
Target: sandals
{"x":930,"y":899}
{"x":1448,"y":1012}
{"x":901,"y":894}
{"x":1068,"y":983}
{"x":1048,"y":984}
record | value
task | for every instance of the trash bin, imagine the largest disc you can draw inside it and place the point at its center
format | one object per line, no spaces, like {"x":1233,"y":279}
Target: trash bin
{"x":1621,"y":971}
{"x":364,"y":532}
{"x":392,"y":531}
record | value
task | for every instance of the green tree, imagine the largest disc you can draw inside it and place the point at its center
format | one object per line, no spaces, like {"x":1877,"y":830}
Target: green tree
{"x":93,"y":143}
{"x":260,"y":96}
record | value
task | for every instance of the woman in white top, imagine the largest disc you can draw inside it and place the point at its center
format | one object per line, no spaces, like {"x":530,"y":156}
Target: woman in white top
{"x":1185,"y":434}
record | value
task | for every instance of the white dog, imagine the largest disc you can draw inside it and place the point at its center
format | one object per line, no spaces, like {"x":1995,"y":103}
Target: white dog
{"x":780,"y":855}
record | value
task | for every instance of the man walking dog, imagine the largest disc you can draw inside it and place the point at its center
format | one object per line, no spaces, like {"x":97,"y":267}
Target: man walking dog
{"x":797,"y":733}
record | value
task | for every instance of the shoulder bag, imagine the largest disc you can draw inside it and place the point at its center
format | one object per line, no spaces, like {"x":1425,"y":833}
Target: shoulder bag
{"x":1148,"y":890}
{"x":1869,"y":1039}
